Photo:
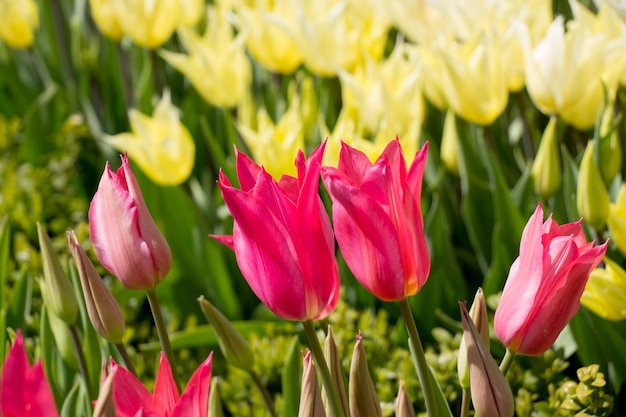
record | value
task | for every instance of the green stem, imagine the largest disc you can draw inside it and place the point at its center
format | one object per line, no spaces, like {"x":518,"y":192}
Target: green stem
{"x":507,"y":361}
{"x":318,"y":354}
{"x":423,"y":371}
{"x":465,"y":403}
{"x":163,"y":337}
{"x":269,"y":405}
{"x":82,"y":363}
{"x":126,"y":358}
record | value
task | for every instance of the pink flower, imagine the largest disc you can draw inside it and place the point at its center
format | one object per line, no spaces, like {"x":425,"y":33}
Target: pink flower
{"x":542,"y":292}
{"x":132,"y":399}
{"x":283,"y":239}
{"x":24,"y":391}
{"x":126,"y":239}
{"x":378,"y":219}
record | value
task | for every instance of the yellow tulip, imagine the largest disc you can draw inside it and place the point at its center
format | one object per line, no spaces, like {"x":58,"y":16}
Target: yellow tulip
{"x":216,"y":64}
{"x":161,"y":145}
{"x":191,"y":11}
{"x":105,"y":16}
{"x":617,"y":220}
{"x":148,"y":23}
{"x":605,"y":293}
{"x":275,"y":146}
{"x":271,"y":34}
{"x":362,"y":92}
{"x":592,"y":197}
{"x":18,"y":21}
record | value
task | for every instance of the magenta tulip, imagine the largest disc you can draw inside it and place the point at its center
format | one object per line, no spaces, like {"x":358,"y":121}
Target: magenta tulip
{"x":131,"y":398}
{"x":378,"y":219}
{"x":283,"y":239}
{"x":125,"y":238}
{"x":24,"y":391}
{"x":542,"y":292}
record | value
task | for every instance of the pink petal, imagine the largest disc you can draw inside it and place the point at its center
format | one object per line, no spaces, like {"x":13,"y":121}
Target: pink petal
{"x":129,"y":395}
{"x":247,"y":171}
{"x":353,"y":163}
{"x":40,"y":401}
{"x":165,"y":391}
{"x":13,"y":386}
{"x":416,"y":172}
{"x":194,"y":402}
{"x":225,"y":240}
{"x":393,"y":153}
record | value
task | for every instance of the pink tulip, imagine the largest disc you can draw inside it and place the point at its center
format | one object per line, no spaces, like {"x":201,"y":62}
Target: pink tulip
{"x":378,"y":219}
{"x":24,"y":391}
{"x":125,"y":238}
{"x":545,"y":283}
{"x":283,"y":239}
{"x":132,"y":399}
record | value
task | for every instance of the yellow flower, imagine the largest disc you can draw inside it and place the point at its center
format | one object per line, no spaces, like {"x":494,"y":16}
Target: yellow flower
{"x":362,"y":92}
{"x":605,"y":293}
{"x":271,"y":34}
{"x":592,"y":197}
{"x":566,"y":73}
{"x":161,"y":145}
{"x":217,"y":65}
{"x":18,"y":21}
{"x":275,"y":146}
{"x":617,"y":220}
{"x":105,"y":16}
{"x":191,"y":12}
{"x":149,"y":23}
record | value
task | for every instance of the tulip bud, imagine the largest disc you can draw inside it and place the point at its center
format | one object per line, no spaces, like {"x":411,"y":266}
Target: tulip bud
{"x":105,"y":18}
{"x":215,"y":404}
{"x":62,"y":338}
{"x":363,"y":398}
{"x":478,"y":314}
{"x":546,"y":169}
{"x":104,"y":404}
{"x":20,"y":19}
{"x":610,"y":145}
{"x":491,"y":394}
{"x":592,"y":197}
{"x":57,"y":289}
{"x":104,"y":312}
{"x":450,"y":144}
{"x":331,"y":354}
{"x":311,"y":398}
{"x":617,"y":220}
{"x":404,"y":407}
{"x":235,"y":348}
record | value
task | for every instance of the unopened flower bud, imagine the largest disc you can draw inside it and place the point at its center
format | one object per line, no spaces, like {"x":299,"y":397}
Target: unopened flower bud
{"x":363,"y":398}
{"x":104,"y":404}
{"x":62,"y":338}
{"x":58,"y":293}
{"x":478,"y":313}
{"x":104,"y":312}
{"x":404,"y":407}
{"x":215,"y":404}
{"x":311,"y":397}
{"x":610,"y":145}
{"x":331,"y":354}
{"x":235,"y":348}
{"x":450,"y":144}
{"x":546,"y":169}
{"x":491,"y":394}
{"x":592,"y":197}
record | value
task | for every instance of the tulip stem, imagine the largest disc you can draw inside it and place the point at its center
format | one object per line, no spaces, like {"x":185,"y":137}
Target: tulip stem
{"x":269,"y":405}
{"x":419,"y":359}
{"x":126,"y":358}
{"x":507,"y":361}
{"x":162,"y":331}
{"x":82,"y":364}
{"x":465,"y":402}
{"x":318,"y":354}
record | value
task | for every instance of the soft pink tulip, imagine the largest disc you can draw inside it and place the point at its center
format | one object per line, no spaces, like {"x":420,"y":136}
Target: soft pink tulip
{"x":24,"y":391}
{"x":378,"y":219}
{"x":126,"y":240}
{"x":283,"y":239}
{"x":542,"y":292}
{"x":132,"y":399}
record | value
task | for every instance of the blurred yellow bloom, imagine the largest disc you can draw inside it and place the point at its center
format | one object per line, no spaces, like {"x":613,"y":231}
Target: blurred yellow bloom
{"x":362,"y":93}
{"x":275,"y":146}
{"x":161,"y":145}
{"x":217,"y":65}
{"x":18,"y":21}
{"x":105,"y":16}
{"x":191,"y":11}
{"x":592,"y":196}
{"x":605,"y":293}
{"x":149,"y":23}
{"x":566,"y":73}
{"x":617,"y":220}
{"x":271,"y":33}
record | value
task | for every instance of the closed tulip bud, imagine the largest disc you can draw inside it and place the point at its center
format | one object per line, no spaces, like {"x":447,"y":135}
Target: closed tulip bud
{"x":104,"y":312}
{"x":331,"y":354}
{"x":610,"y":145}
{"x":605,"y":292}
{"x":404,"y":406}
{"x":478,"y":314}
{"x":592,"y":197}
{"x":104,"y":404}
{"x":215,"y":404}
{"x":546,"y":169}
{"x":62,"y":338}
{"x":235,"y":348}
{"x":18,"y":22}
{"x":311,"y":397}
{"x":58,"y":292}
{"x":491,"y":394}
{"x":450,"y":144}
{"x":617,"y":220}
{"x":125,"y":238}
{"x":363,"y":398}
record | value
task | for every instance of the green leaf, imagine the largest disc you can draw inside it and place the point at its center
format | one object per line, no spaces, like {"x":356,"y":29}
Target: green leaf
{"x":19,"y":301}
{"x":5,"y":233}
{"x":292,"y":380}
{"x":73,"y":405}
{"x":442,"y":408}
